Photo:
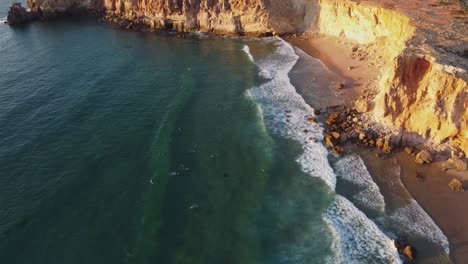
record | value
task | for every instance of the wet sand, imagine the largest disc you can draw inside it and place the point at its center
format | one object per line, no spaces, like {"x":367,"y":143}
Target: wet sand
{"x":445,"y":207}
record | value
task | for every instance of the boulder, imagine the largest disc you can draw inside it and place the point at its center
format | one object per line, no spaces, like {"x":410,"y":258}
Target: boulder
{"x":456,"y":185}
{"x":19,"y":15}
{"x":456,"y":163}
{"x":386,"y":147}
{"x":337,"y":150}
{"x":379,"y":143}
{"x":409,"y":150}
{"x":409,"y":253}
{"x":339,"y":86}
{"x":335,"y":135}
{"x":362,"y":136}
{"x":361,"y":105}
{"x":331,"y":119}
{"x":423,"y":157}
{"x":312,"y":120}
{"x":328,"y":141}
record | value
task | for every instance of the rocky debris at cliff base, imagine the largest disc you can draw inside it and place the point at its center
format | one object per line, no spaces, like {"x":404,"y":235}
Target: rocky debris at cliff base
{"x":456,"y":185}
{"x":19,"y":15}
{"x":423,"y":157}
{"x":361,"y":105}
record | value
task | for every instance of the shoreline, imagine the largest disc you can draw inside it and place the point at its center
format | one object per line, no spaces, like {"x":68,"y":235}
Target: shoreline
{"x":433,"y":195}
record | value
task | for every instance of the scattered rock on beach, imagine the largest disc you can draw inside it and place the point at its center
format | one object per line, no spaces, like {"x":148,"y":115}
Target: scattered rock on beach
{"x":456,"y":163}
{"x":409,"y":253}
{"x":339,"y":86}
{"x":423,"y":157}
{"x":328,"y":141}
{"x":361,"y":105}
{"x":337,"y":150}
{"x":387,"y":148}
{"x":331,"y":119}
{"x":406,"y":250}
{"x":456,"y":185}
{"x":335,"y":135}
{"x":409,"y":150}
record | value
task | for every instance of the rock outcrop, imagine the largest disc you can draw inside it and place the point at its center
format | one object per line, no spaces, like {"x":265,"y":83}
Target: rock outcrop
{"x":19,"y":15}
{"x":256,"y":17}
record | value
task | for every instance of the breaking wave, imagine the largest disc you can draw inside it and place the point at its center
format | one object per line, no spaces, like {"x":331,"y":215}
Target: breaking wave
{"x":355,"y":237}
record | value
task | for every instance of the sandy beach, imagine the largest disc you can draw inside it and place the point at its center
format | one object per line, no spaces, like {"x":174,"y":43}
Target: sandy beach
{"x":445,"y":207}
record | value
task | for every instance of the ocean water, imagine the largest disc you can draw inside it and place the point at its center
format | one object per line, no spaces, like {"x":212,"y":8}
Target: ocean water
{"x":126,"y":147}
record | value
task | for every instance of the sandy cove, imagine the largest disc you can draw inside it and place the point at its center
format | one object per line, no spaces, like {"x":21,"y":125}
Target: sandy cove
{"x":446,"y":207}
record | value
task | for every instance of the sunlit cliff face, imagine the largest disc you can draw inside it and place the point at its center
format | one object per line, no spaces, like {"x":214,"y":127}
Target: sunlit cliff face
{"x":421,"y":89}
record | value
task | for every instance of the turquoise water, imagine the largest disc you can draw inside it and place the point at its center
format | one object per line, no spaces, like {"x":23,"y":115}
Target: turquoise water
{"x":126,"y":147}
{"x":123,"y":147}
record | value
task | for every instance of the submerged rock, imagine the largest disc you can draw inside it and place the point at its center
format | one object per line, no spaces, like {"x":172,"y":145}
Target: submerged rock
{"x":419,"y":177}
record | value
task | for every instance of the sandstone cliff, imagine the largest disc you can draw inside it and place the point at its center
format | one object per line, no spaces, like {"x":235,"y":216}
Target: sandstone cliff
{"x":216,"y":16}
{"x":423,"y":86}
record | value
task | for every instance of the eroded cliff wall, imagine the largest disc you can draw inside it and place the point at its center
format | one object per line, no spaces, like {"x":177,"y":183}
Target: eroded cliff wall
{"x":217,"y":16}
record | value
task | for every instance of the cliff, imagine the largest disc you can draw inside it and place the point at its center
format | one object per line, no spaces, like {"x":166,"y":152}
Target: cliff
{"x":216,"y":16}
{"x":423,"y":45}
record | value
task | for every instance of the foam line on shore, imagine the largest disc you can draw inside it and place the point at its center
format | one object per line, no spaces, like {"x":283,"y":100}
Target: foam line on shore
{"x":356,"y":239}
{"x":246,"y":49}
{"x":285,"y":113}
{"x":351,"y":168}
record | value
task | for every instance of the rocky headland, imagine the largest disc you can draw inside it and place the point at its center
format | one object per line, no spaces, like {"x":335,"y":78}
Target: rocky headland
{"x":404,"y":64}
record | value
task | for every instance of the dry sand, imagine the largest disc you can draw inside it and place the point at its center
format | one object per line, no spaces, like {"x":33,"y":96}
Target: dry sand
{"x":448,"y":209}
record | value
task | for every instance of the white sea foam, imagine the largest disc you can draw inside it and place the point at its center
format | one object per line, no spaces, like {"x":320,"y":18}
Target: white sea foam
{"x":246,"y":49}
{"x":416,"y":221}
{"x":285,"y":111}
{"x":356,"y":238}
{"x":351,"y":168}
